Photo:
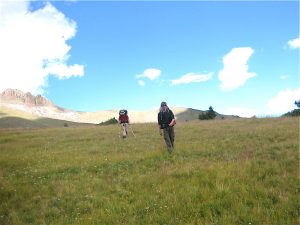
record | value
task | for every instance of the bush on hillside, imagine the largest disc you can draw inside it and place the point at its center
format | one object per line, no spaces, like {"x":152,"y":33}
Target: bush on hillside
{"x":110,"y":121}
{"x":209,"y":115}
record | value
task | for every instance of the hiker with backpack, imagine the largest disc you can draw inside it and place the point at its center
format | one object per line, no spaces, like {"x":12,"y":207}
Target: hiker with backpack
{"x":124,"y":122}
{"x":166,"y":122}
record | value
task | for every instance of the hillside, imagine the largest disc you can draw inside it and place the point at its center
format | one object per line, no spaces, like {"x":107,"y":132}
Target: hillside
{"x":11,"y":118}
{"x":24,"y":109}
{"x":221,"y":172}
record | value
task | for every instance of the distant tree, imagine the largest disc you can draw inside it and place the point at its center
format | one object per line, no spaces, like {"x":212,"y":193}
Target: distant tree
{"x":208,"y":115}
{"x":211,"y":113}
{"x":203,"y":116}
{"x":295,"y":112}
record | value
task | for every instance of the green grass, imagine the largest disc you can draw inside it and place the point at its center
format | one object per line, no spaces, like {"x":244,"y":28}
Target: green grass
{"x":221,"y":172}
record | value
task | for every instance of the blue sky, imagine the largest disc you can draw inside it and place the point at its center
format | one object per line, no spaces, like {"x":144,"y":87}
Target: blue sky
{"x":240,"y":57}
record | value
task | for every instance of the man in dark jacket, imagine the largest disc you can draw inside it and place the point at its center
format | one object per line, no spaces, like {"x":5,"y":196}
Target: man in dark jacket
{"x":166,"y":122}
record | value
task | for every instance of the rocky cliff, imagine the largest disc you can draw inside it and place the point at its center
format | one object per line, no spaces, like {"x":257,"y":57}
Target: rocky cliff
{"x":17,"y":96}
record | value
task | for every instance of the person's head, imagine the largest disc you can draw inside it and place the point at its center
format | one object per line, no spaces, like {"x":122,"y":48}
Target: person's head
{"x":163,"y":106}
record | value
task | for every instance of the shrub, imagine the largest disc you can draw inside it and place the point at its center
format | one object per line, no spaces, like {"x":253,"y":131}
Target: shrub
{"x":110,"y":121}
{"x":208,"y":115}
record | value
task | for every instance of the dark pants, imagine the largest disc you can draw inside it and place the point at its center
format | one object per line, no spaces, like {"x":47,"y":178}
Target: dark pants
{"x":169,"y":137}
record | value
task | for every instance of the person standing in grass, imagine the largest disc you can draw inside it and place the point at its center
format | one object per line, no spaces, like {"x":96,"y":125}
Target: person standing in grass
{"x":124,"y":122}
{"x":166,"y":122}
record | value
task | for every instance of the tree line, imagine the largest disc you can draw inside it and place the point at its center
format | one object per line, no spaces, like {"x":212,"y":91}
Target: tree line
{"x":295,"y":112}
{"x":211,"y":114}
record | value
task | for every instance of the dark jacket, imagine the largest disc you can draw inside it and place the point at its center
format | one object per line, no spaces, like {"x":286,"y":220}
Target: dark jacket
{"x":165,"y":118}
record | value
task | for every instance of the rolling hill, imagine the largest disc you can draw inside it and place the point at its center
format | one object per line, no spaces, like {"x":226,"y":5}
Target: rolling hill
{"x":19,"y":109}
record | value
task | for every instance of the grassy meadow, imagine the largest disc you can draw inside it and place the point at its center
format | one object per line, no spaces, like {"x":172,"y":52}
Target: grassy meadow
{"x":221,"y":172}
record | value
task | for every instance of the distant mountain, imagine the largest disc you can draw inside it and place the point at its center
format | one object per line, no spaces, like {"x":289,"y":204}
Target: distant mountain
{"x":27,"y":99}
{"x":29,"y":104}
{"x":17,"y":104}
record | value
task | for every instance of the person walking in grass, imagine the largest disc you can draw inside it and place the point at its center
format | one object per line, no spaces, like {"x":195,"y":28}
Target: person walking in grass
{"x":166,"y":122}
{"x":124,"y":122}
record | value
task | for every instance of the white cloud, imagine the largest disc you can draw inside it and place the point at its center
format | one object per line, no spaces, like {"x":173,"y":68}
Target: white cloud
{"x":33,"y":46}
{"x":141,"y":83}
{"x":150,"y":73}
{"x":192,"y":78}
{"x":295,"y":43}
{"x":235,"y":72}
{"x":241,"y":111}
{"x":283,"y":102}
{"x":63,"y":71}
{"x":283,"y":77}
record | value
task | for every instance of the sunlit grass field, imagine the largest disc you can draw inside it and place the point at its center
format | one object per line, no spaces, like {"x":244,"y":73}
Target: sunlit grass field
{"x":221,"y":172}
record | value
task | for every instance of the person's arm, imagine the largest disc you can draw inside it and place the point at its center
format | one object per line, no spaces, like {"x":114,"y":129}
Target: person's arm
{"x":172,"y":123}
{"x":160,"y":130}
{"x":159,"y":124}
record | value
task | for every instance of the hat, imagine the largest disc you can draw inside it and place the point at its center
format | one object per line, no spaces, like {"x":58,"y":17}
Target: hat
{"x":163,"y":104}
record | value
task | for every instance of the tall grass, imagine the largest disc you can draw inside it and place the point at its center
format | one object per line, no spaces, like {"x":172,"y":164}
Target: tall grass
{"x":221,"y":172}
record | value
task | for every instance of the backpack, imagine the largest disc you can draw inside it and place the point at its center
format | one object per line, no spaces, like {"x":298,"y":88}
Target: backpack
{"x":123,"y":116}
{"x":122,"y":112}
